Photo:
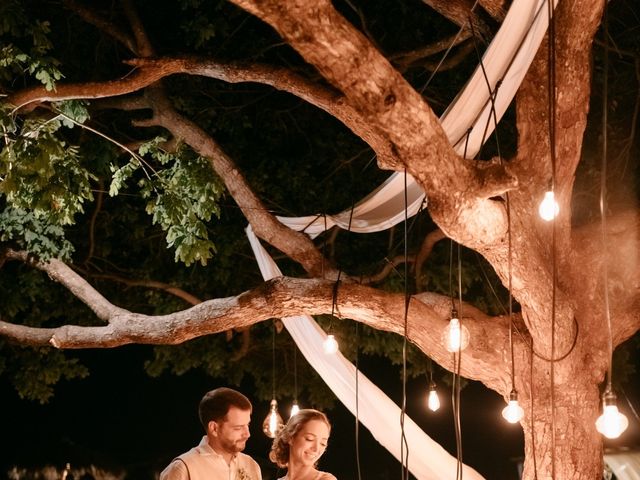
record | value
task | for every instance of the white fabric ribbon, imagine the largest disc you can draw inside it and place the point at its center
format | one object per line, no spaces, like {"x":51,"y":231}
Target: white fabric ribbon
{"x":376,"y":411}
{"x":506,"y":62}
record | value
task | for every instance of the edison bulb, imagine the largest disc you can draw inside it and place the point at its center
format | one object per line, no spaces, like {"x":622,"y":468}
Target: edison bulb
{"x":549,"y":208}
{"x":330,"y":345}
{"x":513,"y":412}
{"x":455,"y":336}
{"x":611,"y":423}
{"x":294,"y":409}
{"x":433,"y":401}
{"x":273,"y":421}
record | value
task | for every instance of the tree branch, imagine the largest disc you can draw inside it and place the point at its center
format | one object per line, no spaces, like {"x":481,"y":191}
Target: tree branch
{"x":90,"y":17}
{"x":428,"y":315}
{"x":327,"y":99}
{"x":425,"y":250}
{"x":131,"y":282}
{"x":296,"y":245}
{"x":78,"y":286}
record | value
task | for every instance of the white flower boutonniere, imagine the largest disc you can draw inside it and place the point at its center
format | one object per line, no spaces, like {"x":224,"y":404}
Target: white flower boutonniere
{"x":243,"y":475}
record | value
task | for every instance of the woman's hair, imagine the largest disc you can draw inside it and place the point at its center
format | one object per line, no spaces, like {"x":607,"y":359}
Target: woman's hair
{"x":280,"y":449}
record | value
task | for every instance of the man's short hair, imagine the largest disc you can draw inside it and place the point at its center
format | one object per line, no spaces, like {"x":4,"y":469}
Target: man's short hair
{"x":216,"y":403}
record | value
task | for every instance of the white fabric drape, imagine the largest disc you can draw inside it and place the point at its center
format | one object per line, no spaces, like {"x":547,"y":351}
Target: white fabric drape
{"x":625,"y":465}
{"x":505,"y":62}
{"x":376,"y":411}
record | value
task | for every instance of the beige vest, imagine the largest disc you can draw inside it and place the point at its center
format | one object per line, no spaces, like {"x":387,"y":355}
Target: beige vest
{"x":205,"y":464}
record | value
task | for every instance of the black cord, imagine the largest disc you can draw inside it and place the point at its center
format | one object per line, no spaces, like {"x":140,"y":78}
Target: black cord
{"x":446,"y":53}
{"x":273,"y":360}
{"x":492,"y":98}
{"x":531,"y":412}
{"x":552,"y":143}
{"x":458,"y":366}
{"x":603,"y":198}
{"x":295,"y":373}
{"x":513,"y":368}
{"x":404,"y":445}
{"x":357,"y":423}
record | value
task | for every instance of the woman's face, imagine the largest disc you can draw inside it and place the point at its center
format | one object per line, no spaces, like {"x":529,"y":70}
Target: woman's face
{"x":308,"y":445}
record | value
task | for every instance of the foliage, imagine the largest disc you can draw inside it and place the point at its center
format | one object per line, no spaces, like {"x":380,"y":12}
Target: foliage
{"x":35,"y":371}
{"x":181,"y":197}
{"x":27,"y":47}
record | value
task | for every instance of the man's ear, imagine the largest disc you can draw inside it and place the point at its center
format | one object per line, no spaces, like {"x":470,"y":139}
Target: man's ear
{"x":212,"y":428}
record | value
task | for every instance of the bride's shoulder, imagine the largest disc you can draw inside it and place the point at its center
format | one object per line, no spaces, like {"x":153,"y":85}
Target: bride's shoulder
{"x":326,"y":476}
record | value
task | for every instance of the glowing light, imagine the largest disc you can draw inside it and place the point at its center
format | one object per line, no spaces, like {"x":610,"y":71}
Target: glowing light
{"x":456,"y":336}
{"x":513,"y":412}
{"x":549,"y":208}
{"x":273,"y":421}
{"x":611,"y":423}
{"x":433,"y":401}
{"x":294,"y":409}
{"x":330,"y":345}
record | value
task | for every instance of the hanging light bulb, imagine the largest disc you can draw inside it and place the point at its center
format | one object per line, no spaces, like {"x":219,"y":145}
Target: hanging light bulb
{"x":513,"y":412}
{"x":455,"y":336}
{"x":330,"y":345}
{"x":549,"y":208}
{"x":294,"y":409}
{"x":611,"y":423}
{"x":433,"y":401}
{"x":273,"y":422}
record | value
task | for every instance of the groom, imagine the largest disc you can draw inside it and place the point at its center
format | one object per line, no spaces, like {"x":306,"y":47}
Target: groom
{"x":225,"y":415}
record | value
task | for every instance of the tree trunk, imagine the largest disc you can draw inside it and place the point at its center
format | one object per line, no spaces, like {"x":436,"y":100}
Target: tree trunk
{"x":576,"y":453}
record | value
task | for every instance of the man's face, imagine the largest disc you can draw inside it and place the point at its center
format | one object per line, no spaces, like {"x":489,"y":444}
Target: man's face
{"x":230,"y":434}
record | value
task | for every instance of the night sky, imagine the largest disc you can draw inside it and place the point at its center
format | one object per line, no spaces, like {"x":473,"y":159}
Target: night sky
{"x":121,"y":418}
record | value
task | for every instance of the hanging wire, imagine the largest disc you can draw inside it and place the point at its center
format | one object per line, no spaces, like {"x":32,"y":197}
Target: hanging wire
{"x":533,"y":419}
{"x":273,"y":361}
{"x":295,"y":372}
{"x":509,"y":248}
{"x":457,"y":356}
{"x":603,"y":199}
{"x":449,"y":48}
{"x":357,"y":423}
{"x":552,"y":144}
{"x":404,"y":445}
{"x":492,"y":99}
{"x":457,"y":387}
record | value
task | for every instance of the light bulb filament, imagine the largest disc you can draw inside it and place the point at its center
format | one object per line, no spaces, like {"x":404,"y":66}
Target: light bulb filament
{"x":456,"y":336}
{"x":549,"y":208}
{"x":330,"y":345}
{"x":433,"y":401}
{"x":611,"y":423}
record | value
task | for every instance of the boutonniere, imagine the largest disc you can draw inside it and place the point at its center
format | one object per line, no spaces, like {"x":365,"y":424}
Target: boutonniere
{"x":243,"y":475}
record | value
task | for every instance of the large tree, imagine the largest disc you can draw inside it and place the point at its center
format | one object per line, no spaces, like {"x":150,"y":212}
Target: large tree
{"x":139,"y":108}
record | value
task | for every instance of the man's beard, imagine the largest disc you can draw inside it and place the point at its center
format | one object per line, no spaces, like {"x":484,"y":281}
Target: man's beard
{"x":234,"y":446}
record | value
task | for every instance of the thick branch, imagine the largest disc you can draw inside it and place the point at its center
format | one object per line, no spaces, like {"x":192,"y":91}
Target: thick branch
{"x":282,"y":79}
{"x":89,"y":15}
{"x":283,"y":297}
{"x":460,"y":13}
{"x":132,"y":82}
{"x":77,"y":285}
{"x":623,"y":274}
{"x":296,"y":245}
{"x":457,"y":191}
{"x":425,"y":250}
